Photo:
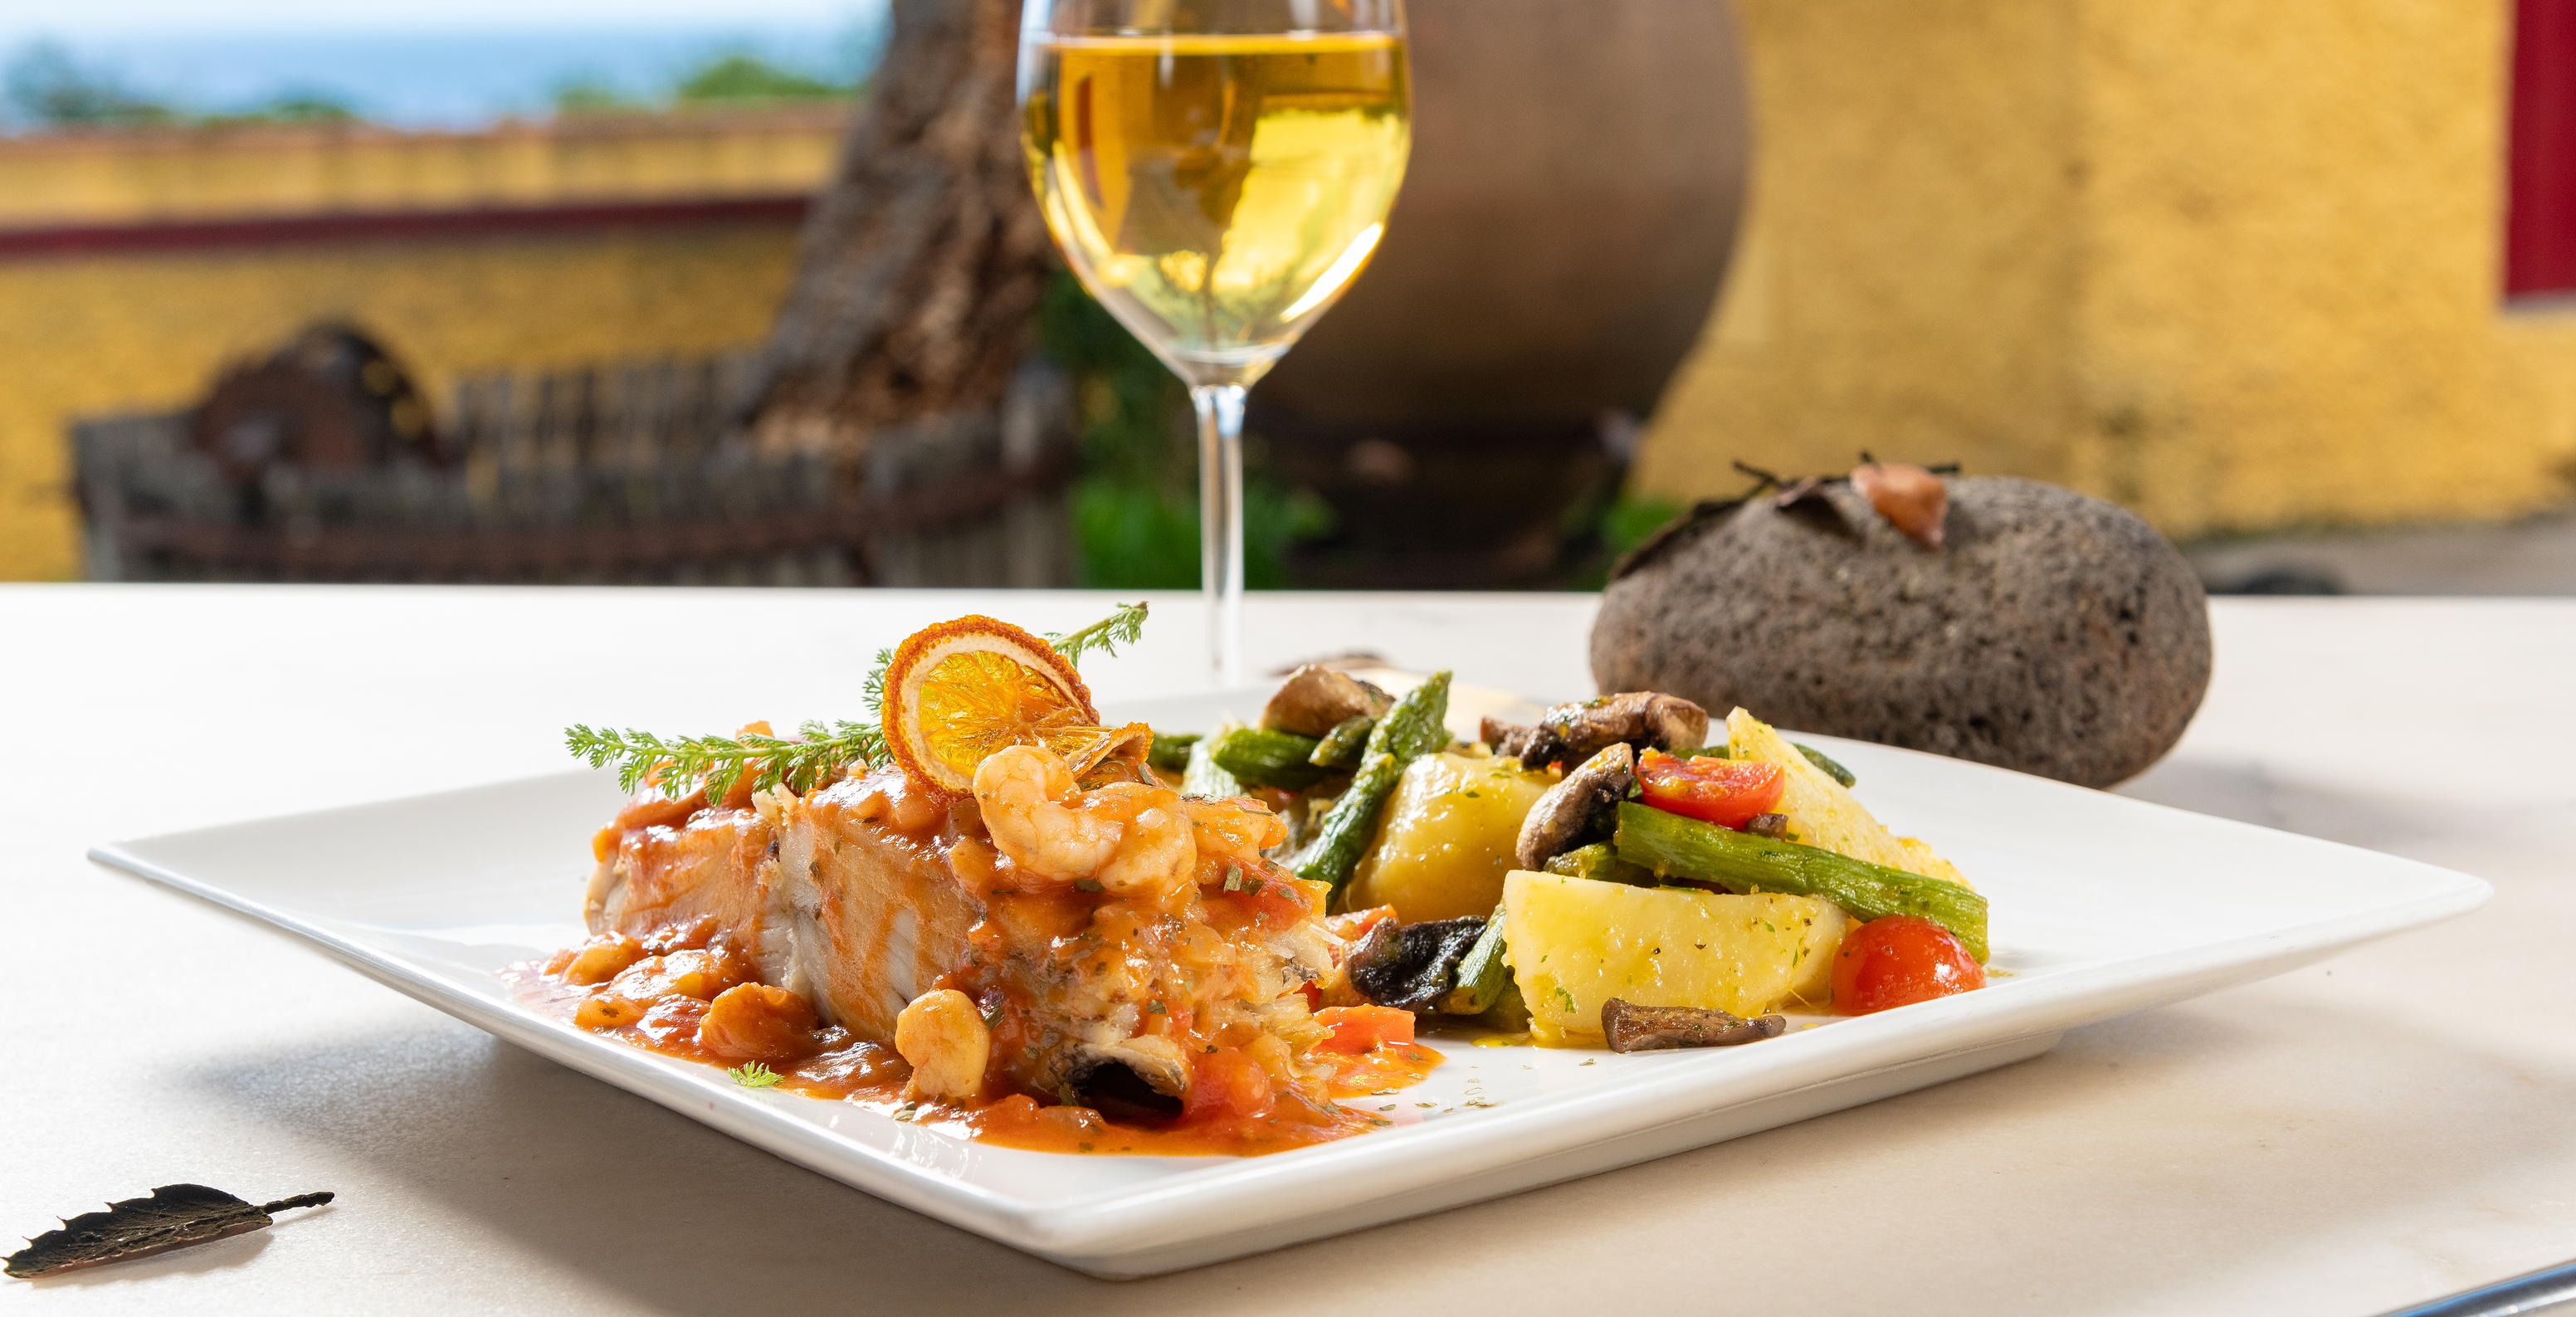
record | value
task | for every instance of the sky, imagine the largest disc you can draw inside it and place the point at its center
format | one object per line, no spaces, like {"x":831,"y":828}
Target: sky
{"x":426,"y":63}
{"x":23,"y":20}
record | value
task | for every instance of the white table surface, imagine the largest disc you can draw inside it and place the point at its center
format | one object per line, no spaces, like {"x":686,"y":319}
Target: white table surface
{"x":2392,"y":1125}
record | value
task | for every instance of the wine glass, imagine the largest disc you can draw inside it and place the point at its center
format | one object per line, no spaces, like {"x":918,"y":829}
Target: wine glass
{"x":1217,"y":172}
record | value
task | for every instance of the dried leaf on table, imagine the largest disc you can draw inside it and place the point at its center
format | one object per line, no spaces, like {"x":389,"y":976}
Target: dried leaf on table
{"x":175,"y":1216}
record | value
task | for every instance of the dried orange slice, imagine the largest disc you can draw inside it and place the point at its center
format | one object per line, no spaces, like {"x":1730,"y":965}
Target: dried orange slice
{"x":959,"y":691}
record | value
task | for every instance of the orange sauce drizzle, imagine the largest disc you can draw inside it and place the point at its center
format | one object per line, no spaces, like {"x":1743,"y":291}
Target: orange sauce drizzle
{"x":871,"y":1075}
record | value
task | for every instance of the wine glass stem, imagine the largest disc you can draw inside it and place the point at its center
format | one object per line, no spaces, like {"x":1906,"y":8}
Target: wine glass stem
{"x":1220,"y":409}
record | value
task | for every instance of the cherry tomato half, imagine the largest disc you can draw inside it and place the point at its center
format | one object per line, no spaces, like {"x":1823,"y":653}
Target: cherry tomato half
{"x":1726,"y":792}
{"x":1898,"y":961}
{"x":1359,"y":1028}
{"x":1226,"y":1085}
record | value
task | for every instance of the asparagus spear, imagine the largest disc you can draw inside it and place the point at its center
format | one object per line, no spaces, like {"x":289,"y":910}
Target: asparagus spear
{"x":1814,"y":756}
{"x":1601,"y":864}
{"x":1833,"y":770}
{"x":1343,"y":747}
{"x":1670,"y":844}
{"x":1482,"y":974}
{"x":1266,"y":757}
{"x":1349,"y":824}
{"x":1415,"y":727}
{"x":1203,"y":778}
{"x":1172,"y":752}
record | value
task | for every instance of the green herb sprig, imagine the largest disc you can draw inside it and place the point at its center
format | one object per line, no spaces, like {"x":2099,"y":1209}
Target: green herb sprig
{"x":801,"y":762}
{"x":1123,"y":627}
{"x":754,"y":1075}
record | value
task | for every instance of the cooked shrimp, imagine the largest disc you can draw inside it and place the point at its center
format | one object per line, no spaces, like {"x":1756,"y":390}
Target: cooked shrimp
{"x":1238,"y":829}
{"x":1132,"y":839}
{"x":1031,"y":806}
{"x":1158,"y":854}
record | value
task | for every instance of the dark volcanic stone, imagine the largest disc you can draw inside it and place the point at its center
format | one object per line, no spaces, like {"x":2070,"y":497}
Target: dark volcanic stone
{"x":2055,"y":634}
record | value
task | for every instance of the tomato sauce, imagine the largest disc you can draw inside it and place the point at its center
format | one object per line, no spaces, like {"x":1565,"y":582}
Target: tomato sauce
{"x":1233,"y":1109}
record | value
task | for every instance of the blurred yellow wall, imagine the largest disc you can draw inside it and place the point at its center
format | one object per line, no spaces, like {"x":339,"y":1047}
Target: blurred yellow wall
{"x":230,"y":173}
{"x":87,"y":334}
{"x":2235,"y":265}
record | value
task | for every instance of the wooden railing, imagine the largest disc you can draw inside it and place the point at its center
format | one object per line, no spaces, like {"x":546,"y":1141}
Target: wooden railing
{"x":632,"y":473}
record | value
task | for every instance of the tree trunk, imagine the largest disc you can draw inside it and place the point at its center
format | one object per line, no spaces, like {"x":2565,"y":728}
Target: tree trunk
{"x":924,"y":258}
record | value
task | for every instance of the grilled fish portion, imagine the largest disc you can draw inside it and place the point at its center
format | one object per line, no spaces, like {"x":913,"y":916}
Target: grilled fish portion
{"x":710,"y":864}
{"x":1107,"y":937}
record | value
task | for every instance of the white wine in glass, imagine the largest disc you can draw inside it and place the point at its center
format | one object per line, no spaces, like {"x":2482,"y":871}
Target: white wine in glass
{"x":1217,"y":172}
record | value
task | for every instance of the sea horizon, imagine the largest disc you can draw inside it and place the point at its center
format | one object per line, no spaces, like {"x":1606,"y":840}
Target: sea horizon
{"x":444,"y":79}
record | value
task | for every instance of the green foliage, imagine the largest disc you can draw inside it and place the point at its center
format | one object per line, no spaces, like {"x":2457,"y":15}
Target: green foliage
{"x":592,"y":95}
{"x":1630,"y":520}
{"x":1133,"y":536}
{"x":732,"y":77}
{"x":292,"y":108}
{"x":738,"y":76}
{"x":1621,"y":526}
{"x":45,"y":86}
{"x":1135,"y":505}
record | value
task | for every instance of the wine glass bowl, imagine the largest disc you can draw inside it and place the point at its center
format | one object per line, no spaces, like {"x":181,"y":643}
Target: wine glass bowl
{"x":1216,"y":173}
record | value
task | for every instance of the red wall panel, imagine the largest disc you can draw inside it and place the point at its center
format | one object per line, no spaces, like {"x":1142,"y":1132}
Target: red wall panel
{"x":2540,"y":222}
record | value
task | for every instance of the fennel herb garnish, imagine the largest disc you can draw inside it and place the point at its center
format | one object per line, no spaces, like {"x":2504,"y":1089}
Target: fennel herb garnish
{"x":1106,"y":635}
{"x":801,"y":762}
{"x":754,"y":1075}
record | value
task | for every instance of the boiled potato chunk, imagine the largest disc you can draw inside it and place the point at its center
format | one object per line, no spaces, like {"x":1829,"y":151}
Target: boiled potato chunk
{"x":1576,"y":943}
{"x":1447,"y":838}
{"x":1823,"y":812}
{"x":1920,"y":858}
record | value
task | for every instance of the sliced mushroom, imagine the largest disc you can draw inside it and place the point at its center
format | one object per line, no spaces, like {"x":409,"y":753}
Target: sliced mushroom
{"x":1412,"y":967}
{"x":1634,"y":1028}
{"x":1316,"y":699}
{"x":1571,"y":809}
{"x":1141,"y":1079}
{"x":1643,"y":719}
{"x":1506,"y":738}
{"x":1572,"y":732}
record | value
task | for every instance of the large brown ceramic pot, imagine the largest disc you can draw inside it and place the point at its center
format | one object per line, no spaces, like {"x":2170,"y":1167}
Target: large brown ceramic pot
{"x":1578,"y":170}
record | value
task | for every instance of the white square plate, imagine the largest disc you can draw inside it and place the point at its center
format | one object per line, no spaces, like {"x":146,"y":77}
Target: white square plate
{"x":2101,"y":905}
